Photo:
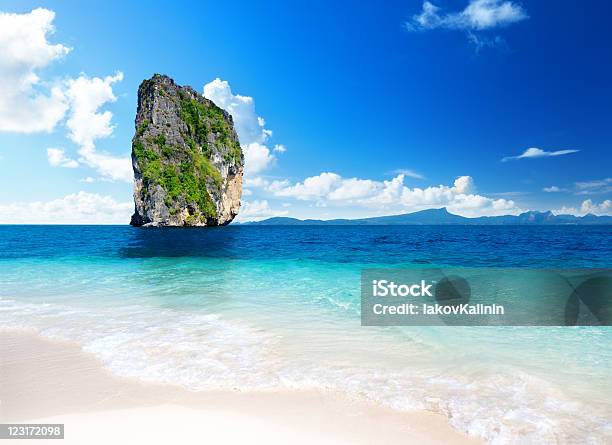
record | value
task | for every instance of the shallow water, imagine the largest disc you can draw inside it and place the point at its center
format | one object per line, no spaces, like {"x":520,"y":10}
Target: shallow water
{"x":278,"y":307}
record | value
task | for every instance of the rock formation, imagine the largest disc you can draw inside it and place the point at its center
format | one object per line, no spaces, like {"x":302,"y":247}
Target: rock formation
{"x":186,"y":157}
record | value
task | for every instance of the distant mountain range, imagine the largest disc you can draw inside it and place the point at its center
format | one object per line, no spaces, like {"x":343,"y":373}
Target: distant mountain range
{"x":444,"y":217}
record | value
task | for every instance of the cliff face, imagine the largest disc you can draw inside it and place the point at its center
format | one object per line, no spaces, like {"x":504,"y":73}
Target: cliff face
{"x":186,"y":157}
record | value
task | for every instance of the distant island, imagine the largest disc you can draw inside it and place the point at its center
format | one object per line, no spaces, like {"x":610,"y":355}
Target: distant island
{"x":444,"y":217}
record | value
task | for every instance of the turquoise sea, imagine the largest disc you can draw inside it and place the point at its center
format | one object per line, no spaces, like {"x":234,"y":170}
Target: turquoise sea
{"x":276,"y":308}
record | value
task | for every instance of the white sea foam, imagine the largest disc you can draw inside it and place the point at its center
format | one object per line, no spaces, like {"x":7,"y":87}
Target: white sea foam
{"x":501,"y":404}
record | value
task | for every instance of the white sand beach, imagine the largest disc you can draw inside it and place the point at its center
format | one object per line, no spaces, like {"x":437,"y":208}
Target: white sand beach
{"x":43,"y":381}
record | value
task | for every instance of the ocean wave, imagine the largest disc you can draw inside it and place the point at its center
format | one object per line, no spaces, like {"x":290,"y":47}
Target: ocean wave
{"x":502,"y":404}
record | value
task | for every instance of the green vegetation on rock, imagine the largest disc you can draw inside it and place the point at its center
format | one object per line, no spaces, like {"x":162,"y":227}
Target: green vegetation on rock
{"x":142,"y":128}
{"x":202,"y":120}
{"x":187,"y":179}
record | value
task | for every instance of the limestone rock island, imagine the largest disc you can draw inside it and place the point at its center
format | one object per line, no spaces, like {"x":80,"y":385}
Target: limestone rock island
{"x":186,"y":157}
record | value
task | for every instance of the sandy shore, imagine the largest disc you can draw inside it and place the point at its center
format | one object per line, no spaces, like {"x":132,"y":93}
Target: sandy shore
{"x":44,"y":381}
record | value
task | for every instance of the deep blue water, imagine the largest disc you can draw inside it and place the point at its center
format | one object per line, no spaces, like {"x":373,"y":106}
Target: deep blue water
{"x":471,"y":246}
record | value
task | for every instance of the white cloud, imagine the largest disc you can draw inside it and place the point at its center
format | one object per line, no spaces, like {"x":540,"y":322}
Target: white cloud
{"x":464,"y":184}
{"x":280,"y":148}
{"x":312,"y":188}
{"x":27,"y":104}
{"x":257,"y":157}
{"x":484,"y":14}
{"x":88,"y":180}
{"x":460,"y":199}
{"x":76,"y":208}
{"x":353,"y":188}
{"x":87,"y":123}
{"x":477,"y":16}
{"x":595,"y":186}
{"x":393,"y":196}
{"x":603,"y":208}
{"x":259,"y":183}
{"x":87,"y":95}
{"x":534,"y":152}
{"x":480,"y":42}
{"x":255,"y":181}
{"x":598,"y":183}
{"x":553,"y":189}
{"x":409,"y":173}
{"x":256,"y":210}
{"x":429,"y":18}
{"x":57,"y":158}
{"x":250,"y":127}
{"x":110,"y":167}
{"x":587,"y":207}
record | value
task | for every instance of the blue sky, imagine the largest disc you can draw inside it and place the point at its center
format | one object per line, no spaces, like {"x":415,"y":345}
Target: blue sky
{"x":477,"y":105}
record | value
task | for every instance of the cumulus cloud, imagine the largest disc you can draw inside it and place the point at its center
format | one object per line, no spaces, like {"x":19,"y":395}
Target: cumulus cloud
{"x":312,"y":188}
{"x":534,"y":152}
{"x":604,"y":208}
{"x":352,"y":188}
{"x":76,"y":208}
{"x":257,"y":157}
{"x":256,"y":210}
{"x":392,"y":195}
{"x":280,"y":148}
{"x":87,"y":123}
{"x":477,"y":16}
{"x":250,"y":127}
{"x":87,"y":95}
{"x":57,"y":158}
{"x":27,"y":104}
